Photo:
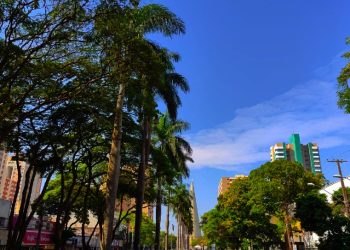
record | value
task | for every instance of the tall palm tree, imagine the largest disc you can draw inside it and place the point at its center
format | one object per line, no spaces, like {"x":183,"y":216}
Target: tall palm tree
{"x":176,"y":151}
{"x":181,"y":203}
{"x":159,"y":80}
{"x":121,"y":27}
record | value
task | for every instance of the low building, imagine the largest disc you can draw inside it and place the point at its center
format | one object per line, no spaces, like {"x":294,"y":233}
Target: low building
{"x":329,"y":189}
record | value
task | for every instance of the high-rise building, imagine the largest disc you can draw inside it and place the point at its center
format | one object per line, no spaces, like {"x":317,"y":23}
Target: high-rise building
{"x":196,"y":229}
{"x":308,"y":155}
{"x":225,"y":183}
{"x":9,"y":179}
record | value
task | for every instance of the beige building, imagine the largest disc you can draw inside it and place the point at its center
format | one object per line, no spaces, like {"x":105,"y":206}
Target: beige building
{"x":9,"y":178}
{"x":225,"y":183}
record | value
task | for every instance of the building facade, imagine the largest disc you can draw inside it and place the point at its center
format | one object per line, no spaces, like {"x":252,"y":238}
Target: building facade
{"x":9,"y":179}
{"x":5,"y":207}
{"x":225,"y":183}
{"x":308,"y":155}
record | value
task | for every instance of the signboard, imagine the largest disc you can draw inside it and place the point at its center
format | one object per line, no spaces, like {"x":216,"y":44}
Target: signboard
{"x":30,"y":238}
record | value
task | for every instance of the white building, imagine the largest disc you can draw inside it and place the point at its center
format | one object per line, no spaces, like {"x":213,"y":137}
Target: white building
{"x":331,"y":188}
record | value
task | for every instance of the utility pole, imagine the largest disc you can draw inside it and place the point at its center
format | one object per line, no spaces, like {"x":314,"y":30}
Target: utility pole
{"x":345,"y":193}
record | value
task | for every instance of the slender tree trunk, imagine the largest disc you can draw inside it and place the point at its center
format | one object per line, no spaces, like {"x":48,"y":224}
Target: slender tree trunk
{"x":25,"y":203}
{"x":85,"y":210}
{"x":288,"y":233}
{"x":39,"y":232}
{"x":158,"y":213}
{"x":179,"y":233}
{"x":11,"y":243}
{"x":167,"y":225}
{"x":92,"y":235}
{"x":141,"y":181}
{"x":113,"y":171}
{"x":83,"y":235}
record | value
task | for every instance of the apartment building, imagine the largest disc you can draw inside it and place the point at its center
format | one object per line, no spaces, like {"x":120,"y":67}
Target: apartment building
{"x":306,"y":154}
{"x":225,"y":183}
{"x":9,"y":178}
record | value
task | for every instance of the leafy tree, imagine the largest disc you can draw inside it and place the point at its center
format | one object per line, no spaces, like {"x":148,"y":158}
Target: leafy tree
{"x":147,"y":229}
{"x":337,"y":235}
{"x":338,"y":201}
{"x":42,"y":54}
{"x":245,"y":214}
{"x":234,"y":221}
{"x":181,"y":202}
{"x":214,"y":228}
{"x":171,"y":153}
{"x":276,"y":186}
{"x":316,"y":215}
{"x":171,"y":241}
{"x":343,"y":83}
{"x":121,"y":33}
{"x":313,"y":211}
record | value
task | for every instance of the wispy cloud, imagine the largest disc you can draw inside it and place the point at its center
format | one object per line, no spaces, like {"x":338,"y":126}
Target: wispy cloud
{"x":309,"y":109}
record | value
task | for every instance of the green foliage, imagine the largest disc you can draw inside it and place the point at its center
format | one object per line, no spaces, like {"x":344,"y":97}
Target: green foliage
{"x":62,"y":66}
{"x":235,"y":219}
{"x":148,"y":229}
{"x":337,"y":235}
{"x":180,"y":201}
{"x":338,"y":201}
{"x":343,"y":83}
{"x":254,"y":209}
{"x":279,"y":183}
{"x":316,"y":215}
{"x":171,"y":240}
{"x":313,"y":211}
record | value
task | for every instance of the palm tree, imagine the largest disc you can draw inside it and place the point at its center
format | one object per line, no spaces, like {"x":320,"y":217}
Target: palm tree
{"x":159,"y":80}
{"x":171,"y":164}
{"x":180,"y":200}
{"x":120,"y":29}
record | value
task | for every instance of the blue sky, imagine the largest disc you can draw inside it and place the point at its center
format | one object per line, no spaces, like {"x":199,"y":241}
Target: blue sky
{"x":259,"y":71}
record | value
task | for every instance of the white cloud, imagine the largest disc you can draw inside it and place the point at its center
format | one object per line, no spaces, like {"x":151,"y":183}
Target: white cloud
{"x":309,"y":109}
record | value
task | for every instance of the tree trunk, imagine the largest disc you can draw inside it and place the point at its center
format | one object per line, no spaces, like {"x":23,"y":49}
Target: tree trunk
{"x":167,"y":226}
{"x":11,"y":243}
{"x":113,"y":171}
{"x":288,"y":233}
{"x":39,"y":232}
{"x":141,"y":181}
{"x":179,"y":233}
{"x":158,"y":213}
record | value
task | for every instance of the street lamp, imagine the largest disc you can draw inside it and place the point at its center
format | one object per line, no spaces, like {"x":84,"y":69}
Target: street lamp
{"x":338,"y":176}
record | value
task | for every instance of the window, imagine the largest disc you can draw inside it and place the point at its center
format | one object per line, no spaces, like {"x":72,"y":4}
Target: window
{"x":9,"y":173}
